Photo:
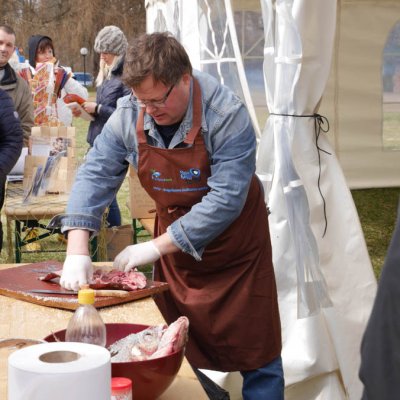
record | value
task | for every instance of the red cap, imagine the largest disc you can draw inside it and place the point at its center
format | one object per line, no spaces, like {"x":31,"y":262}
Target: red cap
{"x":120,"y":384}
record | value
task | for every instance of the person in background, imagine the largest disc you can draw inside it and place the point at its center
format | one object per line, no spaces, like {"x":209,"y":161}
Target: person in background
{"x":20,"y":92}
{"x":194,"y":147}
{"x":13,"y":84}
{"x":41,"y":49}
{"x":11,"y":142}
{"x":111,"y":44}
{"x":20,"y":54}
{"x":380,"y":357}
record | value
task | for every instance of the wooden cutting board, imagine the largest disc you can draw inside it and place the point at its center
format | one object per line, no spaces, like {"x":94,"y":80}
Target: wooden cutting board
{"x":18,"y":281}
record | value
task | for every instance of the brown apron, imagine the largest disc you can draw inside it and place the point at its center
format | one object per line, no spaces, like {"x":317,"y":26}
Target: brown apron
{"x":230,"y":295}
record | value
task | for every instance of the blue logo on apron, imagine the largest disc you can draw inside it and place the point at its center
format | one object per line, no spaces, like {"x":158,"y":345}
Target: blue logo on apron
{"x":156,"y":176}
{"x":192,"y":175}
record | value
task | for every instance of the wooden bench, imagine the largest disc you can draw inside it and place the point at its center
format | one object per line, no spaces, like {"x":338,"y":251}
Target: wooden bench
{"x":148,"y":225}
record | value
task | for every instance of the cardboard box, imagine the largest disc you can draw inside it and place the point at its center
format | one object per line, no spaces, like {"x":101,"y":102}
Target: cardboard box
{"x":117,"y":238}
{"x":54,"y":131}
{"x":141,"y":205}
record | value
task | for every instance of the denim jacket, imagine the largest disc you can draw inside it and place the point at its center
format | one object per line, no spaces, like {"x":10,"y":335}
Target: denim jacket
{"x":230,"y":141}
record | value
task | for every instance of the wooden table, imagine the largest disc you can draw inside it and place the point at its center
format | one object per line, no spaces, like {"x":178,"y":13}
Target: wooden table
{"x":35,"y":213}
{"x":20,"y":319}
{"x":37,"y":209}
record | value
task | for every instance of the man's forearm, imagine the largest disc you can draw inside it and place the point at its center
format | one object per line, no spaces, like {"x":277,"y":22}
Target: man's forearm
{"x":78,"y":242}
{"x":165,"y":245}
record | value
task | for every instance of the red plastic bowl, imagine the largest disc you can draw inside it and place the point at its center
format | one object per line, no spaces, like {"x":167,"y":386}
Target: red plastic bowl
{"x":149,"y":378}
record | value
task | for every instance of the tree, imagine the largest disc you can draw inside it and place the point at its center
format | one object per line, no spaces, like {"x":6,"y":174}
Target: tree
{"x":72,"y":25}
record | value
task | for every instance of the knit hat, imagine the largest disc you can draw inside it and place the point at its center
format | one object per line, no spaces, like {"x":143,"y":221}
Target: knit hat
{"x":110,"y":40}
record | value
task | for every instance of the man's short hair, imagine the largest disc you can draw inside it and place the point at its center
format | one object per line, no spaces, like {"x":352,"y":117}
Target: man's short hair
{"x":7,"y":29}
{"x":157,"y":54}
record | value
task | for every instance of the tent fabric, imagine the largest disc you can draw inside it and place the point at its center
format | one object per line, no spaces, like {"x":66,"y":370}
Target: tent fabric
{"x":288,"y":87}
{"x":304,"y":185}
{"x":354,"y":95}
{"x":354,"y":101}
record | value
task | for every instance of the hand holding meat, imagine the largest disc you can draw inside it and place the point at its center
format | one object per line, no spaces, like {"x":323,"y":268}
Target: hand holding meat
{"x":76,"y":112}
{"x":77,"y":271}
{"x":137,"y":254}
{"x":89,"y":106}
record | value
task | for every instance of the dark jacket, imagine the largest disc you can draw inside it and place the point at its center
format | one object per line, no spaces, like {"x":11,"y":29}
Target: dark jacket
{"x":11,"y":135}
{"x":107,"y":95}
{"x":20,"y":93}
{"x":11,"y":139}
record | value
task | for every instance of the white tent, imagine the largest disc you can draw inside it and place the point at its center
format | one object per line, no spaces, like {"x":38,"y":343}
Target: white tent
{"x":315,"y":242}
{"x":321,"y":352}
{"x":355,"y":99}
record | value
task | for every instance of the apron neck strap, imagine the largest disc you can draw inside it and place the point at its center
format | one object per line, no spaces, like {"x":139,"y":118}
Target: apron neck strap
{"x":140,"y":127}
{"x":196,"y":118}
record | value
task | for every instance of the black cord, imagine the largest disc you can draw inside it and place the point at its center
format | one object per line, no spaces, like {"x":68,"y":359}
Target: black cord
{"x":319,"y":122}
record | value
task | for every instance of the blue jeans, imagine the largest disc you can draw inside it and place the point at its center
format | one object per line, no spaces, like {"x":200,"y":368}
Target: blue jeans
{"x":265,"y":383}
{"x":114,"y":215}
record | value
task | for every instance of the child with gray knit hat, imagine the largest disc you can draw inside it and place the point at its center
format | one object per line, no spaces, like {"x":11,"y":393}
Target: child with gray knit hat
{"x":110,"y":40}
{"x":111,"y":44}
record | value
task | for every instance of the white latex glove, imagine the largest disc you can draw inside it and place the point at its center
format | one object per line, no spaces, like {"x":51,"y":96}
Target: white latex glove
{"x":137,"y":254}
{"x":77,"y":271}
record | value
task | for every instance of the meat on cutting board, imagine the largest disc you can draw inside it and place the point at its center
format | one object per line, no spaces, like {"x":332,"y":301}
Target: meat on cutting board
{"x":131,"y":280}
{"x":113,"y":279}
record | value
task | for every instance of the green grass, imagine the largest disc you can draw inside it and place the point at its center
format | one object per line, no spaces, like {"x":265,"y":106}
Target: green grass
{"x":376,"y":207}
{"x":391,"y":136}
{"x":377,"y":210}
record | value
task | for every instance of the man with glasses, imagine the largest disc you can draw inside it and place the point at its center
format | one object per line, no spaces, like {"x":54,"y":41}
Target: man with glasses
{"x":192,"y":143}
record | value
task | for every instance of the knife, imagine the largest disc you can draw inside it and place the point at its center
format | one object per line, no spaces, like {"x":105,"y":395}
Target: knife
{"x":98,"y":293}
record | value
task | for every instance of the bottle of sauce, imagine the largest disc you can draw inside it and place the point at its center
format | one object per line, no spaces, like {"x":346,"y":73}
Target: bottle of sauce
{"x":86,"y":324}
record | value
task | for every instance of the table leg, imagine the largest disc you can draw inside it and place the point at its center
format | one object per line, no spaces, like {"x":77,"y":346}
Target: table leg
{"x":94,"y":249}
{"x":10,"y":258}
{"x":17,"y":238}
{"x":137,"y":228}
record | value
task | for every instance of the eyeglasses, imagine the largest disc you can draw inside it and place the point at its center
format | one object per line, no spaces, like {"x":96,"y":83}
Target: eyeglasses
{"x":153,"y":103}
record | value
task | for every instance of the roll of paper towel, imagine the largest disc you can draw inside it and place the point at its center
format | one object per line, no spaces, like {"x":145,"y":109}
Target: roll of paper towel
{"x":60,"y":371}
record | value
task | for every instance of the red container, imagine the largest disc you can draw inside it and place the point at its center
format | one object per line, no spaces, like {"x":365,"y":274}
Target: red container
{"x":149,"y":378}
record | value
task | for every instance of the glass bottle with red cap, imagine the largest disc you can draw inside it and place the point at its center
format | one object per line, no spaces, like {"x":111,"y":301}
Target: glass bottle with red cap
{"x":121,"y":388}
